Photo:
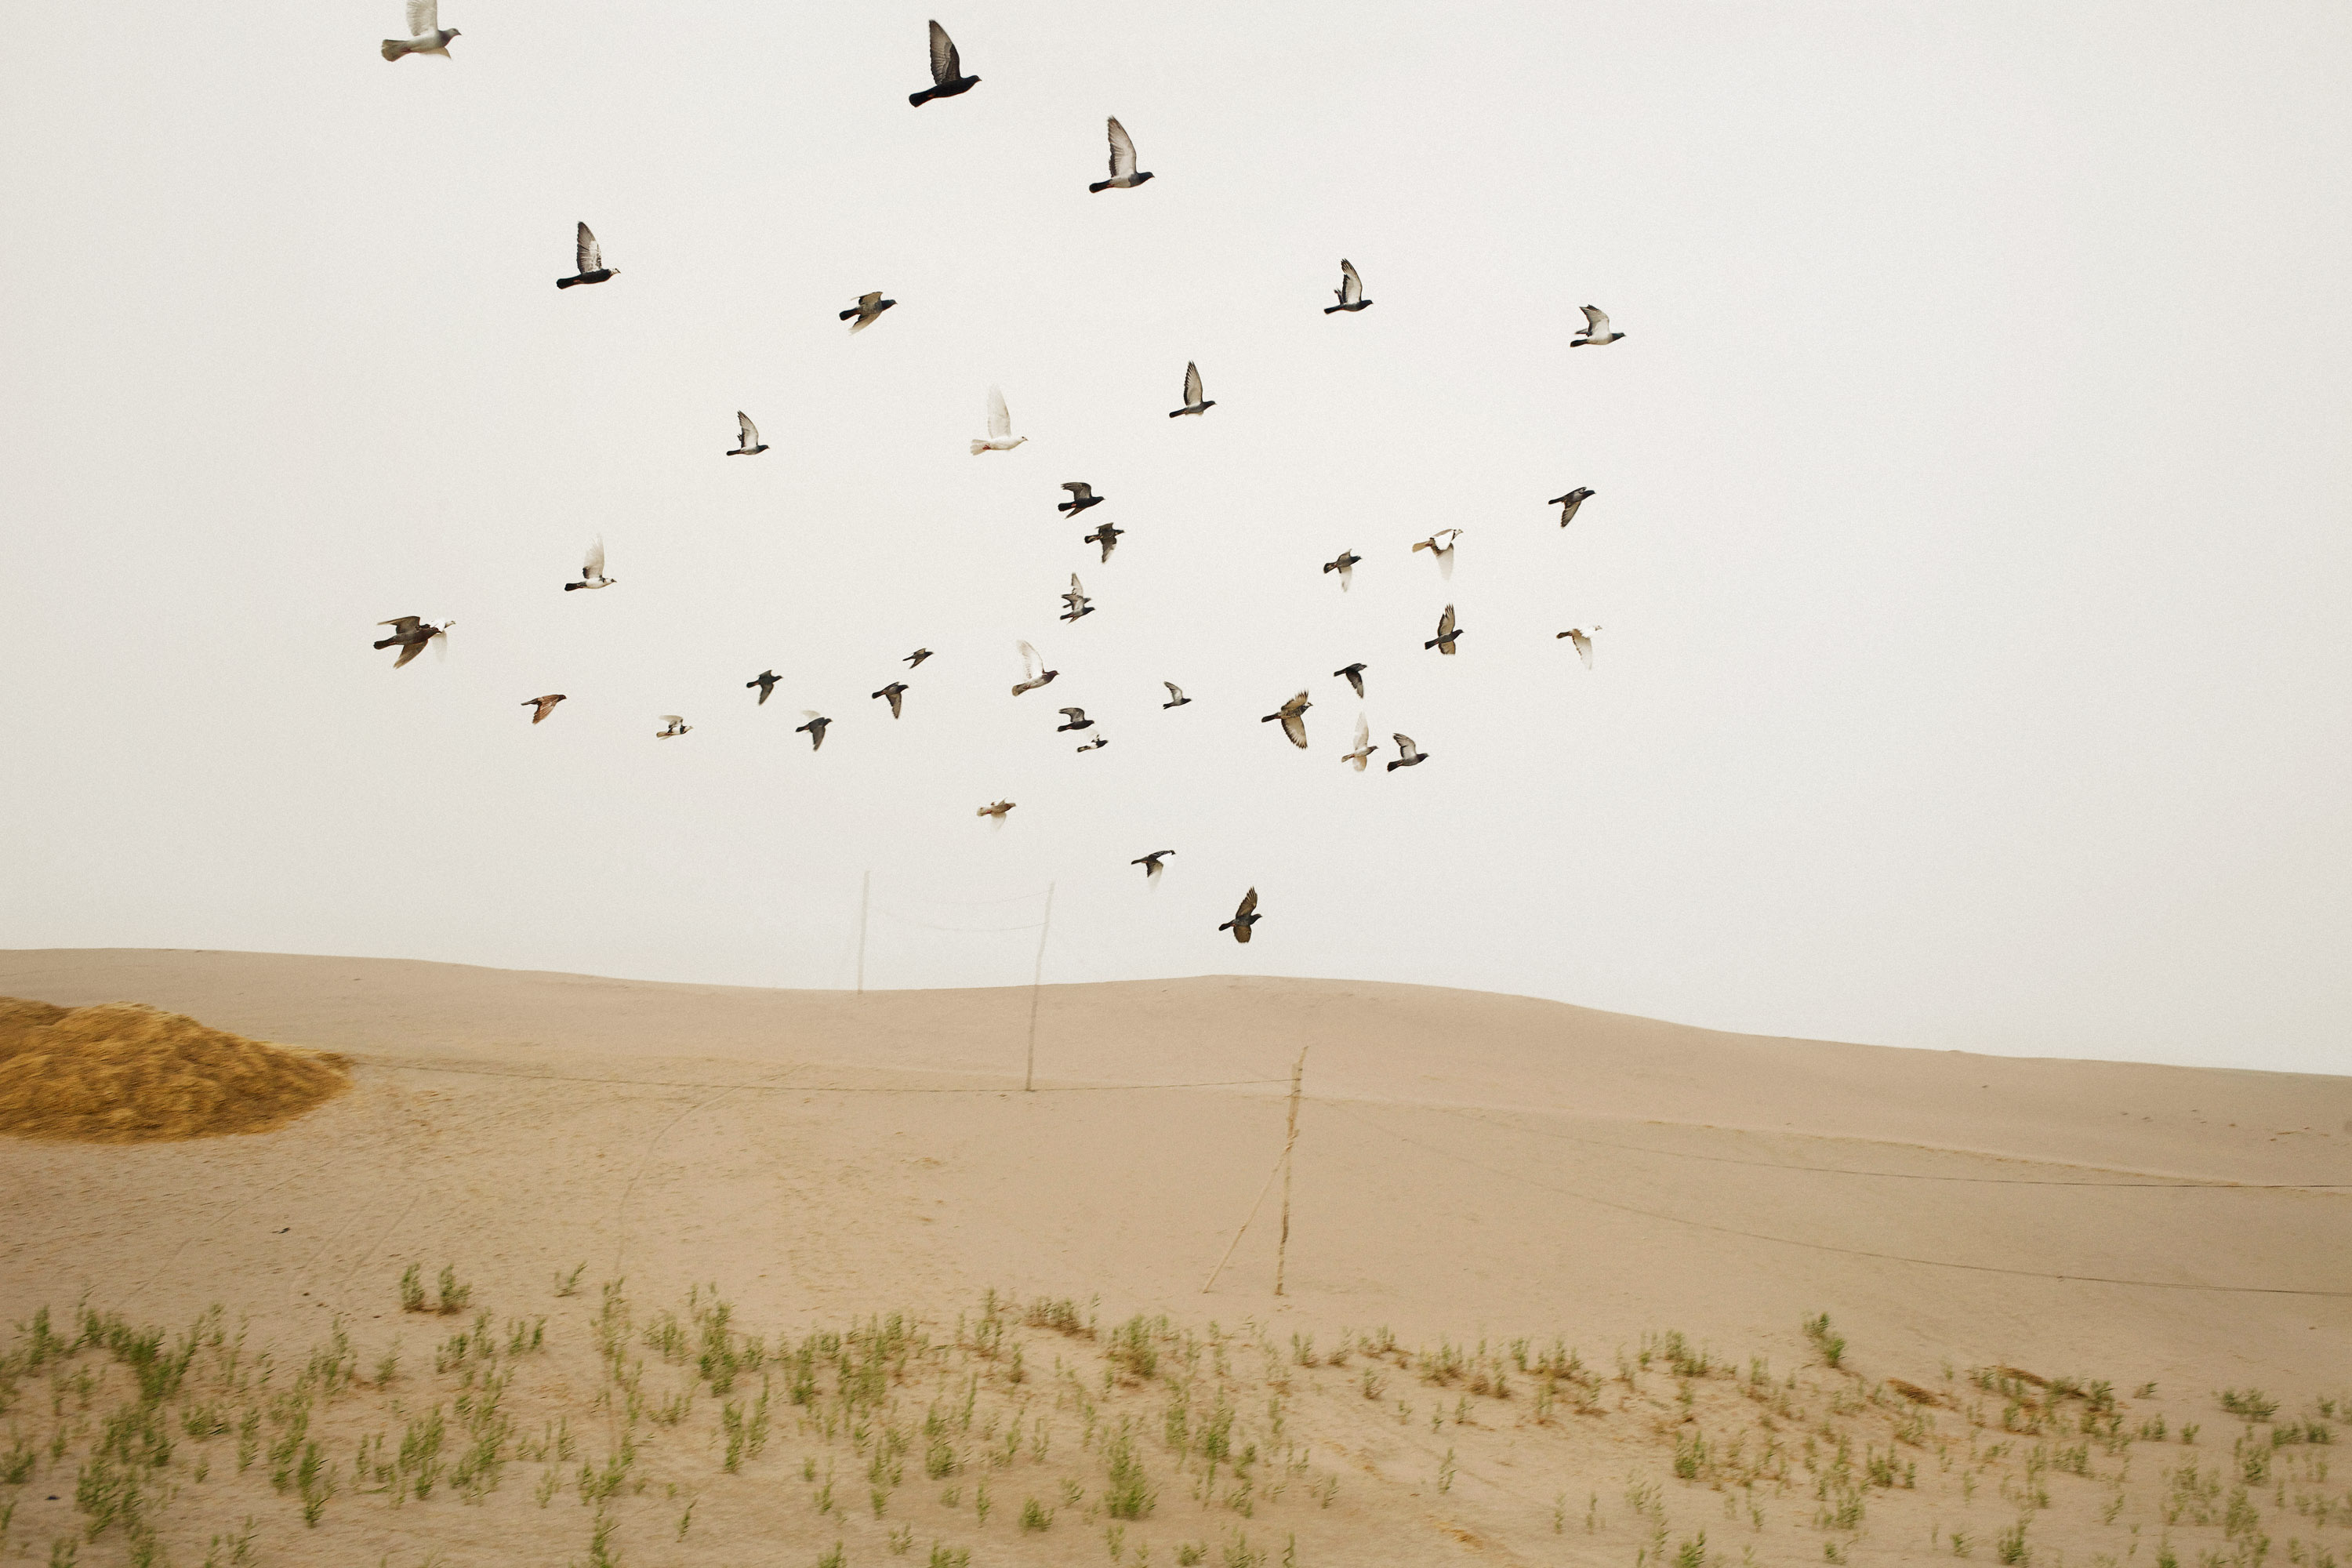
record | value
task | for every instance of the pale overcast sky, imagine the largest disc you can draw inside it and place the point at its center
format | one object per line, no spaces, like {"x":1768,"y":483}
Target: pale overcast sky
{"x":1970,"y":541}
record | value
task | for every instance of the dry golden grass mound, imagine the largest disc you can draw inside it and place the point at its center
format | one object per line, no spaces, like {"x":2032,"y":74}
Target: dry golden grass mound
{"x":122,"y":1073}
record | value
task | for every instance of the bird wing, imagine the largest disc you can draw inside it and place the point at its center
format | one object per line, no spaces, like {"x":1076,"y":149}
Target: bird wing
{"x":1445,"y":623}
{"x":1363,"y":731}
{"x":1078,"y":589}
{"x":1583,"y":648}
{"x":402,"y":623}
{"x":1351,"y":288}
{"x":1122,"y":152}
{"x":1249,"y":905}
{"x":1596,"y":324}
{"x":750,"y":436}
{"x":1031,"y":667}
{"x":1293,"y":724}
{"x":587,"y":252}
{"x":945,"y":66}
{"x":409,"y":651}
{"x":866,"y":302}
{"x":594,"y":566}
{"x":1405,"y":747}
{"x":423,"y":18}
{"x":1079,"y":490}
{"x":673,"y":719}
{"x":1174,"y":690}
{"x":1191,"y":384}
{"x":1000,"y":418}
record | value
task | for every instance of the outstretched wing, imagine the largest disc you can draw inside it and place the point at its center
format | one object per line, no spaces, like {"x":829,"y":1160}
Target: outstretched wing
{"x":1445,"y":623}
{"x":403,"y":625}
{"x":1293,"y":724}
{"x":423,"y":18}
{"x":1031,"y":667}
{"x":1248,"y":907}
{"x":1583,"y":648}
{"x":594,"y":566}
{"x":1078,"y":589}
{"x":1192,"y":383}
{"x":945,"y":66}
{"x":750,"y":431}
{"x":1363,"y":731}
{"x":410,"y":651}
{"x":1000,"y":418}
{"x":1079,"y":490}
{"x":1175,"y":692}
{"x":1351,"y":288}
{"x":1122,"y":152}
{"x":1596,"y":324}
{"x":587,"y":252}
{"x":1405,"y":747}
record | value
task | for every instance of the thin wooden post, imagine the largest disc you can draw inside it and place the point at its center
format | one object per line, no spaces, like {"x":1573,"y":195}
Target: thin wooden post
{"x":1290,"y":1139}
{"x":1036,"y":979}
{"x":864,"y":901}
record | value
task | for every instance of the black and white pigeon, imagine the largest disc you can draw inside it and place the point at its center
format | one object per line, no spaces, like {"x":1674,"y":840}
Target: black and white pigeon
{"x":813,"y":729}
{"x":1193,"y":402}
{"x":1408,"y":754}
{"x":1595,"y":334}
{"x":1364,"y":747}
{"x":590,"y":257}
{"x":1582,"y":641}
{"x":426,"y":34}
{"x":1082,"y":496}
{"x":868,"y":311}
{"x":1077,"y":720}
{"x":1152,"y":865}
{"x":1447,"y":633}
{"x":592,"y":569}
{"x":1037,"y":675}
{"x":1569,"y":503}
{"x":1077,"y":601}
{"x":1345,"y":564}
{"x":766,"y":681}
{"x":1123,"y":176}
{"x":747,"y":440}
{"x":545,"y":705}
{"x":1439,"y":546}
{"x":1107,"y":535}
{"x":672,"y":727}
{"x":1354,"y":676}
{"x":1176,"y":698}
{"x":1243,"y":917}
{"x":1097,"y":743}
{"x":948,"y":79}
{"x":410,"y":633}
{"x":918,"y":657}
{"x":896,"y":691}
{"x":1292,"y":716}
{"x":1350,"y":291}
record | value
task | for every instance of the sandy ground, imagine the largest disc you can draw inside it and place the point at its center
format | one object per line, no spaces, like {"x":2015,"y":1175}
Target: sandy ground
{"x":1469,"y":1168}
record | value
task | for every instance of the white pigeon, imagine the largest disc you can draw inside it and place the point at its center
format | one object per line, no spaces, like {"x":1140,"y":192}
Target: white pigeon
{"x":1364,"y":747}
{"x":1439,"y":546}
{"x":424,"y":34}
{"x":1000,"y":437}
{"x":672,"y":725}
{"x":1122,"y":162}
{"x":1596,"y":333}
{"x":592,"y":570}
{"x":747,"y":443}
{"x":1583,"y":641}
{"x":1034,"y":674}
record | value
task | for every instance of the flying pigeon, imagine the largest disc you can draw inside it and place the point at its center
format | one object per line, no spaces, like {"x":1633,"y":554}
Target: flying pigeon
{"x":1193,"y":404}
{"x":1350,"y":291}
{"x":1078,"y":720}
{"x":671,"y":725}
{"x":766,"y":681}
{"x":1446,"y":634}
{"x":1107,"y":535}
{"x":1000,"y":437}
{"x":1122,"y":162}
{"x":1439,"y":546}
{"x":1569,"y":503}
{"x":948,"y":79}
{"x":592,"y":570}
{"x":1243,"y":917}
{"x":1293,"y":715}
{"x":410,"y":633}
{"x":1346,"y":567}
{"x":1176,"y":698}
{"x":868,"y":310}
{"x":1152,"y":865}
{"x":1079,"y":605}
{"x":1037,"y":674}
{"x":1354,"y":675}
{"x":815,"y":728}
{"x":1097,"y":743}
{"x":424,"y":34}
{"x":1364,"y":747}
{"x":918,"y":657}
{"x":1408,"y":754}
{"x":1583,"y":641}
{"x":1082,"y":496}
{"x":896,"y":691}
{"x":996,"y":810}
{"x":545,"y":705}
{"x":590,"y":256}
{"x":747,"y":444}
{"x":1595,"y":334}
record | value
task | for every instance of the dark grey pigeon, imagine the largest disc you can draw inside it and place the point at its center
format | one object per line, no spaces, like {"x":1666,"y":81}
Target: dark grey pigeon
{"x":766,"y":681}
{"x":868,"y":310}
{"x":1355,"y":676}
{"x":896,"y":690}
{"x":1243,"y":917}
{"x":1151,"y":863}
{"x":918,"y":657}
{"x":590,"y":257}
{"x":1107,"y":535}
{"x":1123,"y":176}
{"x":948,"y":79}
{"x":1082,"y":496}
{"x":1569,"y":503}
{"x":1346,"y":567}
{"x":815,"y":728}
{"x":1411,"y":755}
{"x":1078,"y":720}
{"x":1176,"y":698}
{"x":1350,"y":291}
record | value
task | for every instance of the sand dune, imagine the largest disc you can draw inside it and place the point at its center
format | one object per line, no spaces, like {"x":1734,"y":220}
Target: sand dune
{"x":1469,"y":1167}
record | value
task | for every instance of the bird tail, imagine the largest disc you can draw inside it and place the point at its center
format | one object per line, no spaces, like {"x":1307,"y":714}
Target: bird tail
{"x":393,"y":48}
{"x":569,"y":586}
{"x":387,"y":642}
{"x":1178,"y":412}
{"x":565,"y":283}
{"x":919,"y":99}
{"x":1100,"y":186}
{"x":846,"y":314}
{"x":1333,"y":309}
{"x":978,"y":448}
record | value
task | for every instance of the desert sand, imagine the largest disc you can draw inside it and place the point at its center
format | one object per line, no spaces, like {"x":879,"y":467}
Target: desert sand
{"x":1547,"y":1284}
